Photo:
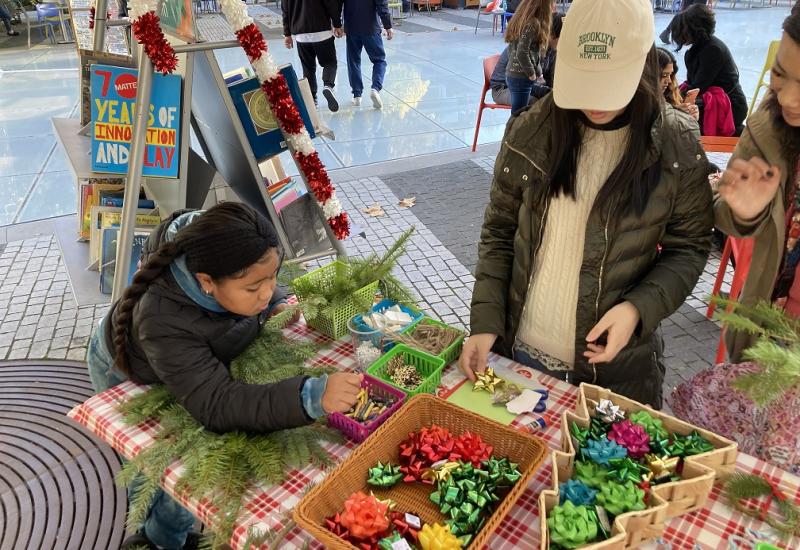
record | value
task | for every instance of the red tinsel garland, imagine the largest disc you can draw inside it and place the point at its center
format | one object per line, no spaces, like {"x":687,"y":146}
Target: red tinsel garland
{"x":252,"y":41}
{"x":340,"y":225}
{"x":148,"y":33}
{"x":283,"y":106}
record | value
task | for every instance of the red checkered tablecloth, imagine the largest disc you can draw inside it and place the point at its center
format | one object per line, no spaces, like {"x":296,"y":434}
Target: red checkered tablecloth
{"x":267,"y":507}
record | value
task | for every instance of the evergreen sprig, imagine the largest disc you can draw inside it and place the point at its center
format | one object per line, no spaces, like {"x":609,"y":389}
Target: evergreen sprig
{"x":356,"y":273}
{"x":741,"y":486}
{"x":776,"y":350}
{"x":224,"y":465}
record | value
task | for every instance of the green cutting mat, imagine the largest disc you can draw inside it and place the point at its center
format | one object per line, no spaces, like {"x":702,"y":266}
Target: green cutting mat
{"x":480,"y":402}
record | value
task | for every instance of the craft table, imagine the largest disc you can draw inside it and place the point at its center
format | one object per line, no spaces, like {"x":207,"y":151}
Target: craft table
{"x":269,"y":507}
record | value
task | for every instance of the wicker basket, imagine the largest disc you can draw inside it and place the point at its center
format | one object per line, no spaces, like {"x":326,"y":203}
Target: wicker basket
{"x":328,"y":497}
{"x":332,"y":321}
{"x":429,"y":368}
{"x":666,"y":500}
{"x":451,"y":352}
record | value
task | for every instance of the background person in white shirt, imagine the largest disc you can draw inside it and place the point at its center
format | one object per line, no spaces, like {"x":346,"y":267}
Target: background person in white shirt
{"x":313,"y":25}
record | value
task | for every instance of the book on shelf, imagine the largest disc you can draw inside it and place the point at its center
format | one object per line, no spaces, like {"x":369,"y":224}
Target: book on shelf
{"x":90,"y":196}
{"x":242,"y":73}
{"x":303,"y":225}
{"x":108,"y":255}
{"x":260,"y":126}
{"x":113,"y":104}
{"x":103,"y":217}
{"x":287,"y":194}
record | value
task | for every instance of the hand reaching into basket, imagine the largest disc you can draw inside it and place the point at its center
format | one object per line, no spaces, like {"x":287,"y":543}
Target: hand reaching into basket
{"x":475,"y":355}
{"x":341,"y":392}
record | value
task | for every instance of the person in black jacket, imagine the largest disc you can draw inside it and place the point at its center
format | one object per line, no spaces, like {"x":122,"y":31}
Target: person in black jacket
{"x":362,"y":23}
{"x":313,"y":25}
{"x":206,"y":285}
{"x":708,"y":61}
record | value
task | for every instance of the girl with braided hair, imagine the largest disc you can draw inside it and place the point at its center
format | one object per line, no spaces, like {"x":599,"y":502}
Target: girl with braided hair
{"x":206,"y":285}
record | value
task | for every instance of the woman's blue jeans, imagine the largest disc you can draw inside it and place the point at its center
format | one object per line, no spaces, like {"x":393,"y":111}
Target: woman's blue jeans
{"x":520,"y":89}
{"x":168,"y":522}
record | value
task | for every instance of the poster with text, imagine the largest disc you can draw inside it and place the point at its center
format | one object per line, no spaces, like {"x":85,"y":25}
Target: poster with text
{"x":113,"y":100}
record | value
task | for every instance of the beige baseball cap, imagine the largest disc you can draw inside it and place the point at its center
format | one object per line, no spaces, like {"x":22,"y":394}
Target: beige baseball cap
{"x":601,"y":53}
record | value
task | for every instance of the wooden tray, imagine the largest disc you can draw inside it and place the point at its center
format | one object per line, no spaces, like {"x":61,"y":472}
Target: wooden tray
{"x":423,"y":410}
{"x":666,"y":500}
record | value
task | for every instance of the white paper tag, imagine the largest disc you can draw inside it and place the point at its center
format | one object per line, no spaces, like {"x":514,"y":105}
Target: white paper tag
{"x":401,"y":545}
{"x":526,"y":401}
{"x":413,"y":522}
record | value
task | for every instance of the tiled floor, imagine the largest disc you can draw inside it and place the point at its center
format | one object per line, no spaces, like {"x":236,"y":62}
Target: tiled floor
{"x":430,"y":97}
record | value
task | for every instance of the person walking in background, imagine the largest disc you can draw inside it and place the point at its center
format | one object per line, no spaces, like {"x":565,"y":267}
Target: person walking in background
{"x":527,"y":36}
{"x":312,"y":24}
{"x":362,"y":23}
{"x":709,"y":63}
{"x":6,"y":17}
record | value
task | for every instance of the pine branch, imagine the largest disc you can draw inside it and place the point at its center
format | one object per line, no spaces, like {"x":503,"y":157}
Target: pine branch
{"x":741,"y":486}
{"x":776,"y":351}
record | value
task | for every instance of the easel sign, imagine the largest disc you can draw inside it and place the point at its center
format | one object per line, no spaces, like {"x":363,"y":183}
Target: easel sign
{"x":113,"y":93}
{"x":177,"y":19}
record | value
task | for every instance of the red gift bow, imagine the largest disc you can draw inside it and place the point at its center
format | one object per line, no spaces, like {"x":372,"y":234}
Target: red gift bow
{"x":470,"y":447}
{"x":365,"y":516}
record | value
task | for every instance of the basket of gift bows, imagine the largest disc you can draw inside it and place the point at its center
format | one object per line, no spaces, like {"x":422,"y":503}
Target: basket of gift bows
{"x":623,"y":470}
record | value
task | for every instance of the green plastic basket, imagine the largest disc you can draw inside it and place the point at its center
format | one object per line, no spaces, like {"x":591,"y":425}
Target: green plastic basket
{"x":332,"y":320}
{"x":428,"y":366}
{"x":451,"y":352}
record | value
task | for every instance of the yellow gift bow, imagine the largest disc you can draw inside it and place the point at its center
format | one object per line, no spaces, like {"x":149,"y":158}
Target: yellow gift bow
{"x":487,"y":380}
{"x":438,"y":537}
{"x":439,"y":471}
{"x":660,"y":467}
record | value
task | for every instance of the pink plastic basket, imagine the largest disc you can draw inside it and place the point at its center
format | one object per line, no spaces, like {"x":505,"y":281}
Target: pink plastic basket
{"x":357,"y":431}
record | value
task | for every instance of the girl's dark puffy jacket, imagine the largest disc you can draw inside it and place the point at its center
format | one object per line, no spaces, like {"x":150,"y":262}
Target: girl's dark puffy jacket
{"x":189,"y":349}
{"x":621,"y":258}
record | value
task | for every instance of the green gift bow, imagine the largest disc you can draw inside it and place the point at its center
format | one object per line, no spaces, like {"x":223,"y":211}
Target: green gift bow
{"x":387,"y":475}
{"x":618,"y":498}
{"x":653,"y":426}
{"x":625,"y":469}
{"x":592,"y":474}
{"x":572,"y":526}
{"x":688,"y":445}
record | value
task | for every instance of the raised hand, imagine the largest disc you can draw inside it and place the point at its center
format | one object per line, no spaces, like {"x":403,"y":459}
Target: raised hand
{"x":748,"y":186}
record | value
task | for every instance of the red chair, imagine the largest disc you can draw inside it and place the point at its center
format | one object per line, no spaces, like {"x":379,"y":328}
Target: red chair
{"x":489,"y":64}
{"x":741,"y":250}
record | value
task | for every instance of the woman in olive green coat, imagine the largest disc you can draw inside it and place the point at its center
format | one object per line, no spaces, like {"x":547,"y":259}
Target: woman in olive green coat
{"x":758,"y":193}
{"x":600,"y":215}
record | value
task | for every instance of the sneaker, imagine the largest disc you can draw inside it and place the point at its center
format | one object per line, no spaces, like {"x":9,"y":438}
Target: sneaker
{"x":333,"y":105}
{"x":357,"y":101}
{"x":376,"y":99}
{"x":12,"y":32}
